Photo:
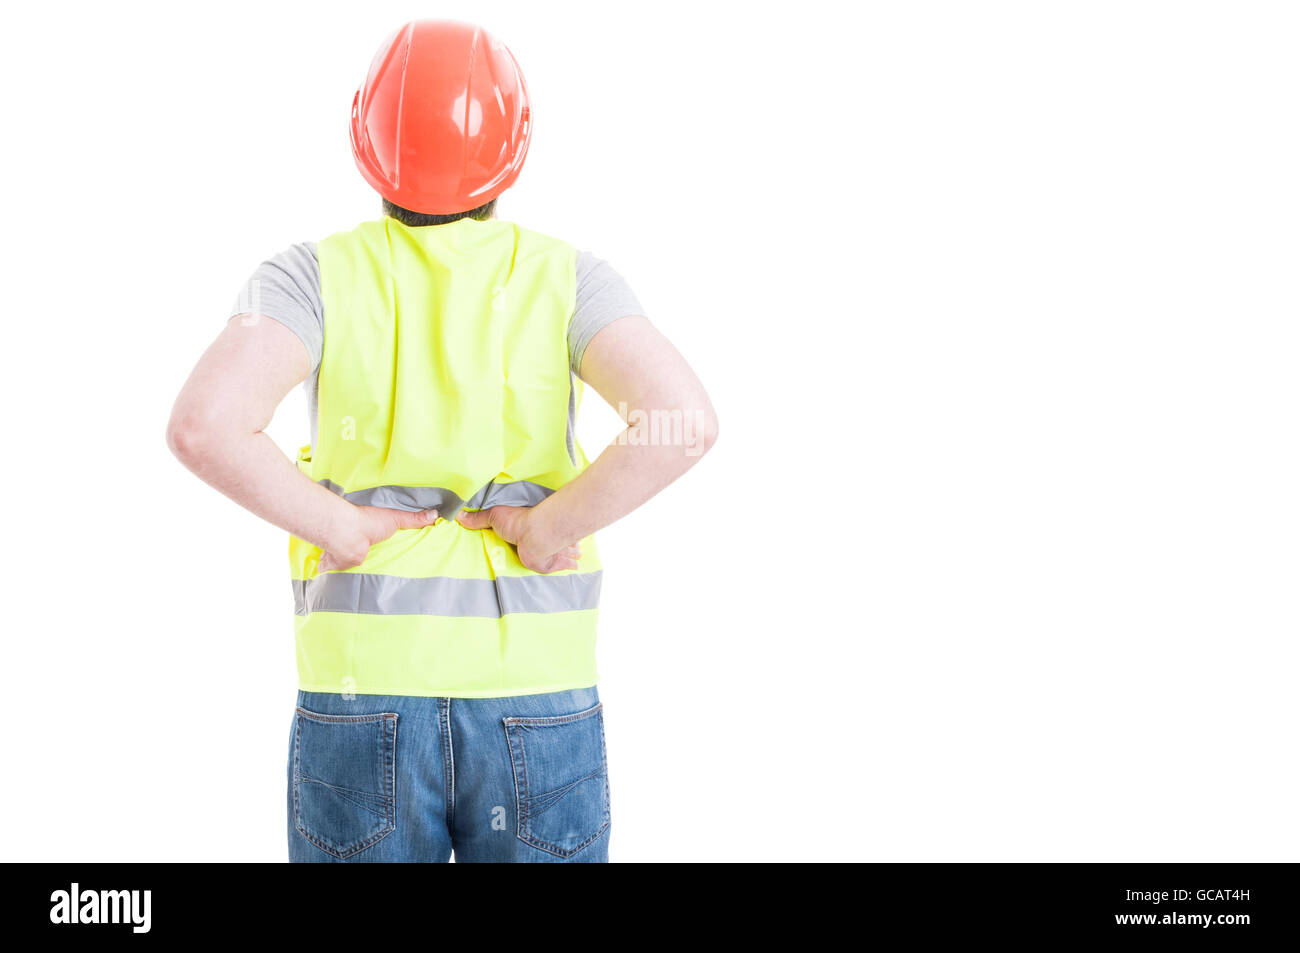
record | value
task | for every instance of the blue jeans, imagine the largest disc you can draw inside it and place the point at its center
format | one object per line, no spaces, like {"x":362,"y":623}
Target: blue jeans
{"x":400,"y":778}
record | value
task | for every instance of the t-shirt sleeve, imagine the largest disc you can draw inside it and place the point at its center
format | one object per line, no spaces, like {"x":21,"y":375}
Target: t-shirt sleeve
{"x":287,"y":289}
{"x":602,"y":297}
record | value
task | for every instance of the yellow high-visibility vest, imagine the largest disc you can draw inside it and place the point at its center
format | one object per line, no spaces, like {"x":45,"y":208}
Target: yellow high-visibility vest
{"x":445,"y":383}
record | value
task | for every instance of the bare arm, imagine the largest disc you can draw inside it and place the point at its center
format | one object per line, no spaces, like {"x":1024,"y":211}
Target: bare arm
{"x":671,"y":424}
{"x":216,"y":430}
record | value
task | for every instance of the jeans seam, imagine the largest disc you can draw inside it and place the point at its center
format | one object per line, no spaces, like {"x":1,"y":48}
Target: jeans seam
{"x":391,"y":777}
{"x":558,"y":851}
{"x":344,"y":719}
{"x":555,"y":719}
{"x":448,"y":762}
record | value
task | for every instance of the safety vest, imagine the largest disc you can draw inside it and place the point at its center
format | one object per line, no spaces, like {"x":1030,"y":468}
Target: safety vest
{"x":445,"y":383}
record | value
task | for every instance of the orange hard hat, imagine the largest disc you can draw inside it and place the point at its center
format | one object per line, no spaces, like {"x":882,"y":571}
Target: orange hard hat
{"x":442,"y":123}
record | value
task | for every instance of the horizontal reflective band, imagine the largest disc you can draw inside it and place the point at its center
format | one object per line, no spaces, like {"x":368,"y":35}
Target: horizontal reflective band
{"x":518,"y":493}
{"x":412,"y":498}
{"x":447,"y":503}
{"x":375,"y":594}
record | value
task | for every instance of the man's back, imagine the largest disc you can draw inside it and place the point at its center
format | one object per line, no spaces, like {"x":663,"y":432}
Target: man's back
{"x":444,"y":383}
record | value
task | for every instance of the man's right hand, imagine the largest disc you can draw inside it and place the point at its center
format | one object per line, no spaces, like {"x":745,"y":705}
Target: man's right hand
{"x":511,"y":524}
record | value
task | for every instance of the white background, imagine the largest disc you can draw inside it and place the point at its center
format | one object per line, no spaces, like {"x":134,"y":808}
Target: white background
{"x":996,"y":556}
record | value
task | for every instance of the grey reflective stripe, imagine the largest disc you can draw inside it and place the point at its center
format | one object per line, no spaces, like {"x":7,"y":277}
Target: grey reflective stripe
{"x":518,"y":493}
{"x":446,"y":502}
{"x":412,"y":498}
{"x":375,"y":594}
{"x":580,"y":590}
{"x":573,"y":420}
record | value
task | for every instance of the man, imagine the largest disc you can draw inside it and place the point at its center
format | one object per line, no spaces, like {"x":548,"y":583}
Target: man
{"x":444,"y":575}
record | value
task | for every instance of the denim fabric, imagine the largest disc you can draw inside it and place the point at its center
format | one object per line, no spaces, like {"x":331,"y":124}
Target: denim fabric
{"x":397,"y":778}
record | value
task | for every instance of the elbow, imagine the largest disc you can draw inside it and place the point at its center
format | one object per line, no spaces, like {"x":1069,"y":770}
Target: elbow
{"x":706,"y":432}
{"x":190,"y":440}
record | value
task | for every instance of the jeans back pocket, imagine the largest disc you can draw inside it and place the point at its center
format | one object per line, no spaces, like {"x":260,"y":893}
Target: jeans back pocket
{"x":343,"y":779}
{"x":561,"y":781}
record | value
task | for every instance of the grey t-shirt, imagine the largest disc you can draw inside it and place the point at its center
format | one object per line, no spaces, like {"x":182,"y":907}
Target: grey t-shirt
{"x":287,"y":288}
